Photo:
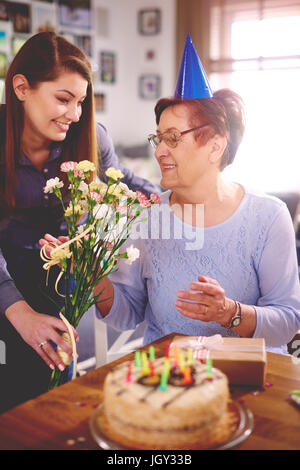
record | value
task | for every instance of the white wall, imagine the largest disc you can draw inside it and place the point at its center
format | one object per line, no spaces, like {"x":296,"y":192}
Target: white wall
{"x":129,"y":118}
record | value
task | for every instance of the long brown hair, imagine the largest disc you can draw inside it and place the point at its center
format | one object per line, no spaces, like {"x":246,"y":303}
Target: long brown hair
{"x":224,"y":113}
{"x":43,"y":58}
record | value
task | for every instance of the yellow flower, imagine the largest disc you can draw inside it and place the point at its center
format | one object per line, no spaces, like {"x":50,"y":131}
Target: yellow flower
{"x":115,"y":190}
{"x":85,"y":165}
{"x":97,"y":186}
{"x":78,"y":210}
{"x":113,"y":173}
{"x":60,"y":254}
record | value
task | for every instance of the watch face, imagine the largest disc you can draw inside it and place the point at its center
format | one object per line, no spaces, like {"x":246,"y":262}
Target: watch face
{"x":236,"y":321}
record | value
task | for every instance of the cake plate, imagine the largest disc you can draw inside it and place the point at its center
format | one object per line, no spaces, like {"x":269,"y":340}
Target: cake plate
{"x":243,"y":430}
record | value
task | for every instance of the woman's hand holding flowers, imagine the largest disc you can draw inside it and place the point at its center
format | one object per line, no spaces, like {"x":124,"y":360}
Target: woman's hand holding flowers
{"x":38,"y":329}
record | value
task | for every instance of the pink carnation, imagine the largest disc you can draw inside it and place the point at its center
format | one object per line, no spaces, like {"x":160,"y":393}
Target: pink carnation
{"x":96,"y":196}
{"x":68,"y":166}
{"x":141,"y":195}
{"x":155,"y":198}
{"x":122,"y":209}
{"x":108,"y":245}
{"x":143,"y":200}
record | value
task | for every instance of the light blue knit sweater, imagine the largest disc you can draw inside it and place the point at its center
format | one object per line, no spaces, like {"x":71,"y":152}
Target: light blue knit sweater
{"x":252,"y":255}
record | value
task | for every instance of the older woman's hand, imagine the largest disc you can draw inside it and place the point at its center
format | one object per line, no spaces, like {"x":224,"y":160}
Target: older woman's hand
{"x":206,"y":301}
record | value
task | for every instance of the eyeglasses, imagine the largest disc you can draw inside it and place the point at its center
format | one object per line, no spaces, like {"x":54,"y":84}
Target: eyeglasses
{"x":171,"y":137}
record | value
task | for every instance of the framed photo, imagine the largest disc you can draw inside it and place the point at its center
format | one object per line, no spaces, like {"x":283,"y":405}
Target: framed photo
{"x":3,"y":64}
{"x":107,"y":67}
{"x":85,"y":43}
{"x":16,"y":44}
{"x":149,"y":21}
{"x":150,"y":86}
{"x":20,"y":15}
{"x":4,"y":16}
{"x":75,"y":13}
{"x":100,"y":102}
{"x":44,"y":18}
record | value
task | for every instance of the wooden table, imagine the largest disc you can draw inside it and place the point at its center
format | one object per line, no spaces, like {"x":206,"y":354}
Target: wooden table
{"x":59,"y":419}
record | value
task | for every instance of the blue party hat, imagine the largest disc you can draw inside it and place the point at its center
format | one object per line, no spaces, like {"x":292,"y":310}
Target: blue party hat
{"x":192,"y":81}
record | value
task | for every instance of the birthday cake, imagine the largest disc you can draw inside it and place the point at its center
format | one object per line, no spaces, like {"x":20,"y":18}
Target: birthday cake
{"x":166,"y":405}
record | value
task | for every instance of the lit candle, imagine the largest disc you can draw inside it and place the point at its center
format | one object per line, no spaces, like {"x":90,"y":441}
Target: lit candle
{"x":129,"y":371}
{"x":181,"y":361}
{"x":187,"y":375}
{"x":151,"y":353}
{"x":137,"y":357}
{"x":163,"y":381}
{"x":167,"y":365}
{"x":190,"y":357}
{"x":176,"y":354}
{"x":209,"y":368}
{"x":145,"y":364}
{"x":151,"y":369}
{"x":167,"y":348}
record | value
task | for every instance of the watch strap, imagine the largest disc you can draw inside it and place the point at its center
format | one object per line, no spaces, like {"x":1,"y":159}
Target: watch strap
{"x":237,"y":315}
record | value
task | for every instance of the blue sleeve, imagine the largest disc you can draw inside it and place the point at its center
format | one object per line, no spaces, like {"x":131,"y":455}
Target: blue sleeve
{"x":9,"y":294}
{"x":109,"y":158}
{"x":130,"y":295}
{"x":278,"y":308}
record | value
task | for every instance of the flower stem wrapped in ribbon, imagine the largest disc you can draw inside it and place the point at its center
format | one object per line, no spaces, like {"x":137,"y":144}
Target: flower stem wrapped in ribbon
{"x":92,"y":251}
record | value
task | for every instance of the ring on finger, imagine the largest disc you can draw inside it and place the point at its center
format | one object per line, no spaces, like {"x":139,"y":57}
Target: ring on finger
{"x":42,"y":344}
{"x":206,"y":309}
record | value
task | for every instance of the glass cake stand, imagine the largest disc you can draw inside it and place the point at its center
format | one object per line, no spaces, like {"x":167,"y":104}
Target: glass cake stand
{"x":243,"y":430}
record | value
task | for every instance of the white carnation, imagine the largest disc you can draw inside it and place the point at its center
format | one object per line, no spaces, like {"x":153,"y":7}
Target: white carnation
{"x":101,"y":211}
{"x":53,"y":183}
{"x":132,"y":253}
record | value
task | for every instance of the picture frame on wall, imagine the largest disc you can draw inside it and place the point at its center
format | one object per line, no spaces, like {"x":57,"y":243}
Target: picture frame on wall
{"x":16,"y":43}
{"x":150,"y":86}
{"x":75,"y":13}
{"x":149,"y":21}
{"x":107,"y":67}
{"x":4,"y":16}
{"x":85,"y":43}
{"x":44,"y":18}
{"x":3,"y":64}
{"x":100,"y":102}
{"x":20,"y":15}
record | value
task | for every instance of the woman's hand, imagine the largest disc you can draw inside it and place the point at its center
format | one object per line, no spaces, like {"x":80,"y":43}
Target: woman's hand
{"x":206,"y":301}
{"x":51,"y":241}
{"x":38,"y":329}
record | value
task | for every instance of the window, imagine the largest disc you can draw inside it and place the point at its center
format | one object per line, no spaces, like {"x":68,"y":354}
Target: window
{"x":255,"y":50}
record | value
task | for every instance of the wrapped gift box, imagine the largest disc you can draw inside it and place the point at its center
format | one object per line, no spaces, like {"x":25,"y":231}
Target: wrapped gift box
{"x":243,"y":360}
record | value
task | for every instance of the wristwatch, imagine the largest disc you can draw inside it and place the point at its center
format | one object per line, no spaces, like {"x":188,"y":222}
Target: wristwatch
{"x":237,"y":317}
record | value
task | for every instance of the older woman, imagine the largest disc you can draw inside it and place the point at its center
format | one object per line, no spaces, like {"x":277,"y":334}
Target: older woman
{"x":239,"y":276}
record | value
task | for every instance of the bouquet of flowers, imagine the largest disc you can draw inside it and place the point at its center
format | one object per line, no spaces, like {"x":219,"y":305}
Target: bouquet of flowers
{"x":93,"y":247}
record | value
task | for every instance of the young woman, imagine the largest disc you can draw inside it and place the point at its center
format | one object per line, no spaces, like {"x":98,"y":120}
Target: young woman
{"x":238,"y":276}
{"x":48,"y":118}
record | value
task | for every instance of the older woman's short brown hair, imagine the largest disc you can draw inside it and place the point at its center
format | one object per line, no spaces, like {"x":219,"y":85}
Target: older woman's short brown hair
{"x":224,"y":113}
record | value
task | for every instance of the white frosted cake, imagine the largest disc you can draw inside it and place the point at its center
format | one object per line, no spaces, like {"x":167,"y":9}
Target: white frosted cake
{"x":188,"y":410}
